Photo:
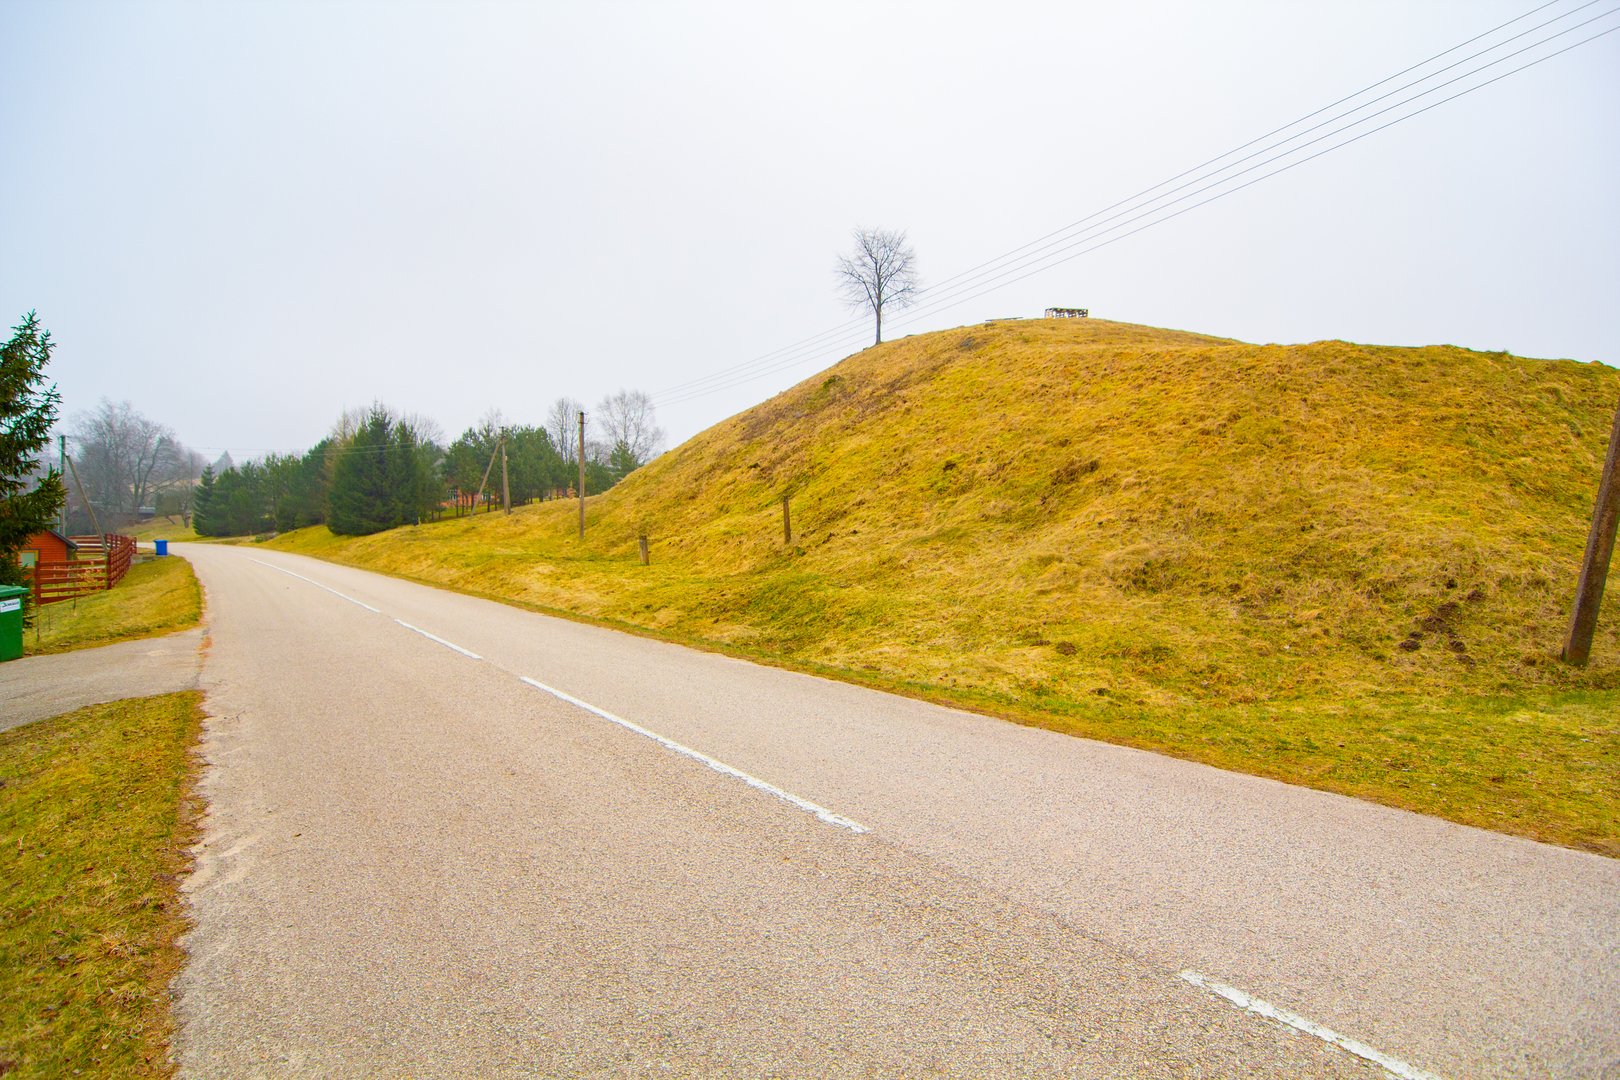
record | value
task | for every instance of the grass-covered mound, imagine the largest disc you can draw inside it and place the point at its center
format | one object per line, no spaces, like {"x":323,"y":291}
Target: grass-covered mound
{"x":1342,"y":565}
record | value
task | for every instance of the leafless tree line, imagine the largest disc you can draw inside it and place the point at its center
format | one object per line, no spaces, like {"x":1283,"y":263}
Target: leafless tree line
{"x":126,"y":464}
{"x":625,"y":419}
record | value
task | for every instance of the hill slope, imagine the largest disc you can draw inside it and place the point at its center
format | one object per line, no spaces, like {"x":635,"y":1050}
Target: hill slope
{"x":1325,"y":562}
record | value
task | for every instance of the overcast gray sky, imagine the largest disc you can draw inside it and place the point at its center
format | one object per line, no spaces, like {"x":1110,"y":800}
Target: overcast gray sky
{"x":245,"y":217}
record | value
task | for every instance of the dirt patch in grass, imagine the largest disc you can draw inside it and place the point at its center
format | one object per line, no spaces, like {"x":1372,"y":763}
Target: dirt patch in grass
{"x":97,"y":811}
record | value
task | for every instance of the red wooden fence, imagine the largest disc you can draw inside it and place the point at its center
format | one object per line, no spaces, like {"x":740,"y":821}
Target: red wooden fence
{"x":102,"y":563}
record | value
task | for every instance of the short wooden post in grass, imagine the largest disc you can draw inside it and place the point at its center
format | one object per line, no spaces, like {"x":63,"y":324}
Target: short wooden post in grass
{"x":643,"y":549}
{"x":787,"y":523}
{"x":1599,"y":548}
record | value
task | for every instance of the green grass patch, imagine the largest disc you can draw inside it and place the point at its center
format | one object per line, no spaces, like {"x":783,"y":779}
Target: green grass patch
{"x":161,"y":528}
{"x":157,"y":596}
{"x":1339,"y":565}
{"x":97,"y":811}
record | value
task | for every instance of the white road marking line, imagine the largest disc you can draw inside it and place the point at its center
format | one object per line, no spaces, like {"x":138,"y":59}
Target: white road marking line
{"x":318,"y":585}
{"x":821,"y":812}
{"x":434,"y":637}
{"x":377,"y":611}
{"x":1249,"y":1003}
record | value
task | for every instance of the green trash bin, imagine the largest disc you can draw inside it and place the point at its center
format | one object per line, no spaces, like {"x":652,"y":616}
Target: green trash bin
{"x":11,"y":613}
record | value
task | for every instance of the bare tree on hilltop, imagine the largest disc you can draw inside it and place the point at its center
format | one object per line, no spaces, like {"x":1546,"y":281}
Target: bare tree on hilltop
{"x":880,"y":273}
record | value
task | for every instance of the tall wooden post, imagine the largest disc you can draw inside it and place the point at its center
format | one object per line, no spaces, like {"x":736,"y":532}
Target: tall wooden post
{"x":582,"y":475}
{"x":787,"y":523}
{"x":85,"y":498}
{"x":506,"y":489}
{"x":1599,"y":547}
{"x":61,"y":470}
{"x":644,"y":553}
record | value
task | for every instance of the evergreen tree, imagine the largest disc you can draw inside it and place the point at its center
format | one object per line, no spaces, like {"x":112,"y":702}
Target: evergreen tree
{"x":598,"y":477}
{"x":622,"y":461}
{"x":27,"y":413}
{"x":244,"y":493}
{"x":361,"y":499}
{"x":310,"y":485}
{"x":202,"y":505}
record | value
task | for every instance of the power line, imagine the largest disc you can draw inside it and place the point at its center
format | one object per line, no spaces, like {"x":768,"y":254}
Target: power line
{"x":977,"y":281}
{"x":1148,"y":208}
{"x":845,"y":328}
{"x":1081,"y":238}
{"x":955,"y":295}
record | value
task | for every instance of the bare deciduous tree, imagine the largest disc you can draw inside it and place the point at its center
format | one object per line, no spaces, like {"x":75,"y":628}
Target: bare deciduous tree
{"x":562,"y":424}
{"x":124,"y":458}
{"x":880,"y":273}
{"x":626,"y":419}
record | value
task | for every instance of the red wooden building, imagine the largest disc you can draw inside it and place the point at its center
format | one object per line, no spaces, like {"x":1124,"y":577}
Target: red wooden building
{"x":63,"y":567}
{"x":49,"y":546}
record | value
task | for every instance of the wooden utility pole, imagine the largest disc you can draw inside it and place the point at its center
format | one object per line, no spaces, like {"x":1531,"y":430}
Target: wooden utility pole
{"x":582,"y":475}
{"x":506,"y":489}
{"x":499,"y":446}
{"x":787,"y":523}
{"x":644,"y":553}
{"x":1599,"y":547}
{"x":86,"y":498}
{"x":61,"y":470}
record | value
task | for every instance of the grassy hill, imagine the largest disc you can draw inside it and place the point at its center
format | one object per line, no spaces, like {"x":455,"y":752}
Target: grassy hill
{"x":1341,"y":565}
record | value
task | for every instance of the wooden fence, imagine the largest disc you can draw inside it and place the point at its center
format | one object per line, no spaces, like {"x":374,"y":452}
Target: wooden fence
{"x":102,"y":563}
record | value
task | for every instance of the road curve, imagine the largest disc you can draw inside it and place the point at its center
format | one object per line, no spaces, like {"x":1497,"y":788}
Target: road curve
{"x":448,"y":837}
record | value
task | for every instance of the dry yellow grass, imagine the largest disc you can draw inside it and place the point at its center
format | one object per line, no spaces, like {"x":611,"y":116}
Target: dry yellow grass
{"x":97,"y":811}
{"x":1285,"y":559}
{"x":157,"y":596}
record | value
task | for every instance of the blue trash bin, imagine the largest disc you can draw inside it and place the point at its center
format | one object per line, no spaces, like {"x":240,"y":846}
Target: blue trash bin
{"x":162,"y":546}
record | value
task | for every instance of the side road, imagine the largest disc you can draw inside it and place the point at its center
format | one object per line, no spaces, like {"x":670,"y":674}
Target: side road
{"x":36,"y":687}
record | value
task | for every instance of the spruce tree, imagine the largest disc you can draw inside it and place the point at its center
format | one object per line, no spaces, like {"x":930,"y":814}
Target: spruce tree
{"x":202,"y":505}
{"x":361,"y":500}
{"x":27,"y":413}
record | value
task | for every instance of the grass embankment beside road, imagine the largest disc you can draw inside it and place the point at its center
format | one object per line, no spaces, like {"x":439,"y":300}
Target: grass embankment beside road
{"x":157,"y":596}
{"x":161,"y":528}
{"x":97,"y":811}
{"x":1337,"y":565}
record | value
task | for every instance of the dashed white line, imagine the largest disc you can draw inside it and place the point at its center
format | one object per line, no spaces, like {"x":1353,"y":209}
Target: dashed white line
{"x":1249,"y":1003}
{"x":821,"y":812}
{"x":376,"y":611}
{"x":318,"y":585}
{"x":434,"y":637}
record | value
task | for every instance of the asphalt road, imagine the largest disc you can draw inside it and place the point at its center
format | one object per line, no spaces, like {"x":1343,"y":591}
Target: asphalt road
{"x":448,"y":837}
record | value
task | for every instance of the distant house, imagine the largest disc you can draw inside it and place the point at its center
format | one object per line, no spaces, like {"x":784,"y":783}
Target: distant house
{"x":1068,"y":313}
{"x":49,"y":546}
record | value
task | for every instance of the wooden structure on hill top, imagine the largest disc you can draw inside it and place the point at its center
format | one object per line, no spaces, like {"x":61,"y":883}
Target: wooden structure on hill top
{"x":1068,"y":313}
